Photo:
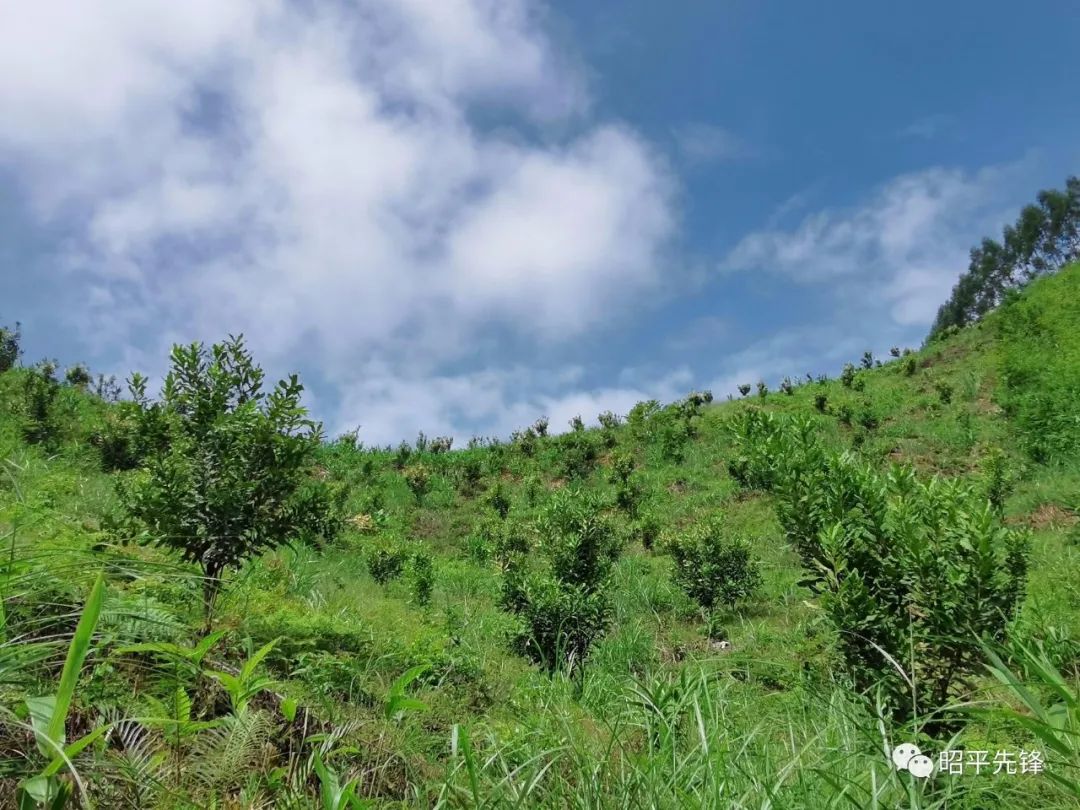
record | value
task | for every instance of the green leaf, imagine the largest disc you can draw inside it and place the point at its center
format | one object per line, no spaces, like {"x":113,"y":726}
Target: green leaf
{"x":80,"y":644}
{"x":74,"y":749}
{"x":41,"y":711}
{"x":256,"y":659}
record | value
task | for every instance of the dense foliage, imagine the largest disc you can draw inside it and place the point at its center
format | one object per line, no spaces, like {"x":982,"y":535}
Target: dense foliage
{"x":1045,"y":238}
{"x":228,"y":472}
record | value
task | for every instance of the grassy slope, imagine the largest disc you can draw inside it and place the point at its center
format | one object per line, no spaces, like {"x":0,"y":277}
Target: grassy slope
{"x":770,"y":718}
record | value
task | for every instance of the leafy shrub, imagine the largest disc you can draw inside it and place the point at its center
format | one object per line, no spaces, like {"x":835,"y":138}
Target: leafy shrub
{"x":894,"y":351}
{"x":532,"y":490}
{"x":910,"y":366}
{"x":868,"y":417}
{"x":608,"y":420}
{"x":712,"y":569}
{"x":845,"y":413}
{"x":231,"y":473}
{"x":899,"y":562}
{"x":441,"y":444}
{"x":744,"y":389}
{"x":945,"y":392}
{"x":78,"y":376}
{"x":10,"y":346}
{"x":627,"y":489}
{"x":698,"y":399}
{"x":868,"y":360}
{"x":847,"y":376}
{"x":1039,"y":348}
{"x":997,"y":481}
{"x":609,"y":424}
{"x":673,"y":432}
{"x":478,"y":546}
{"x":762,"y":389}
{"x":402,"y":455}
{"x":787,"y":386}
{"x":525,"y":441}
{"x":540,"y":426}
{"x":821,"y":402}
{"x":640,"y":418}
{"x":562,"y":599}
{"x":499,"y":500}
{"x":386,"y":559}
{"x":118,"y":439}
{"x":578,"y":454}
{"x":470,"y":475}
{"x":645,"y":528}
{"x":577,"y":424}
{"x":40,"y":390}
{"x":422,"y":577}
{"x":418,"y":479}
{"x":765,"y":444}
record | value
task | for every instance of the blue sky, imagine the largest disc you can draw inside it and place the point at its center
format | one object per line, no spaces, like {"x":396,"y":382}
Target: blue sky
{"x":457,"y":215}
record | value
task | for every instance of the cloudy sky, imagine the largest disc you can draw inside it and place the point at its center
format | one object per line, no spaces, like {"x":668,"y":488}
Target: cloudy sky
{"x":457,"y":215}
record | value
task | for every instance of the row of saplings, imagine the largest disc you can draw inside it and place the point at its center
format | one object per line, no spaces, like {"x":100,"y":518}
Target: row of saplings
{"x":915,"y":577}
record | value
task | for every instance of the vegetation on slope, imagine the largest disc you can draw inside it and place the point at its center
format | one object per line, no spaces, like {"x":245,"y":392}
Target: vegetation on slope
{"x":702,"y":604}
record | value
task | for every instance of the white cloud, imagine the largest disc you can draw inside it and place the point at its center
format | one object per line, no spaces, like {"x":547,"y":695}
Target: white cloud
{"x":708,"y":143}
{"x":902,"y":249}
{"x":313,"y":175}
{"x":928,"y":127}
{"x":387,"y":406}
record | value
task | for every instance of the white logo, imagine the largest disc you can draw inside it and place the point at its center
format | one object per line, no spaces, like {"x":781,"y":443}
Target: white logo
{"x":908,"y":757}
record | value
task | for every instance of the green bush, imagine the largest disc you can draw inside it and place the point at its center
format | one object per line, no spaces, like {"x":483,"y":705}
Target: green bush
{"x":418,"y":479}
{"x":440,"y":444}
{"x":402,"y":455}
{"x":422,"y":577}
{"x":470,"y":474}
{"x":765,"y":444}
{"x":562,"y":599}
{"x":645,"y":528}
{"x":847,"y":376}
{"x":525,"y":441}
{"x":899,"y":562}
{"x":40,"y":390}
{"x":231,"y":473}
{"x":609,"y":428}
{"x":78,"y":376}
{"x":499,"y":499}
{"x":627,"y":489}
{"x":578,"y":453}
{"x":10,"y":346}
{"x":996,"y":478}
{"x":712,"y":568}
{"x":386,"y":559}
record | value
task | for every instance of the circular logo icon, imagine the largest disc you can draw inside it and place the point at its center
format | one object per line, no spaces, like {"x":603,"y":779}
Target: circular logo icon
{"x":902,"y":755}
{"x":920,"y":766}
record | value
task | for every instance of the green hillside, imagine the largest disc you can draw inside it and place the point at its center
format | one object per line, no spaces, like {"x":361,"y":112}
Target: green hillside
{"x":696,"y":605}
